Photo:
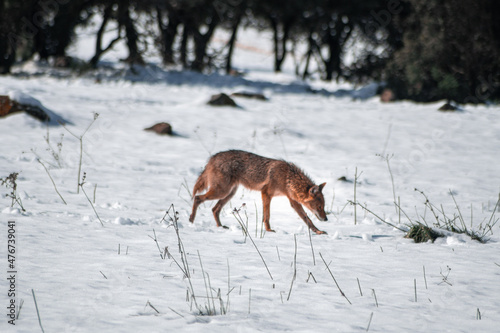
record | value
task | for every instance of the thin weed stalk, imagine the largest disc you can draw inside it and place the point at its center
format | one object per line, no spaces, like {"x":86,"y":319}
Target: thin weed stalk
{"x":278,"y":131}
{"x":310,"y":275}
{"x":312,"y":248}
{"x":371,"y":212}
{"x":55,"y":155}
{"x":210,"y":310}
{"x":333,"y":199}
{"x":491,"y":224}
{"x":249,"y":299}
{"x":415,"y":286}
{"x":155,"y":239}
{"x":461,"y":218}
{"x":173,"y":218}
{"x":387,"y":159}
{"x":294,"y":268}
{"x":359,"y":286}
{"x":185,"y":186}
{"x":21,"y":303}
{"x":209,"y":150}
{"x":425,"y":278}
{"x":334,"y":280}
{"x":228,"y":285}
{"x":355,"y":184}
{"x":88,"y":199}
{"x":37,"y":312}
{"x":236,"y":214}
{"x":177,"y":313}
{"x":52,"y":180}
{"x":375,"y":297}
{"x":369,"y":322}
{"x":80,"y":139}
{"x":151,"y":306}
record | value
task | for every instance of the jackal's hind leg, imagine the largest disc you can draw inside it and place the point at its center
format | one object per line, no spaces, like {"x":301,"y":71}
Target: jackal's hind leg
{"x":213,"y":193}
{"x":218,"y":207}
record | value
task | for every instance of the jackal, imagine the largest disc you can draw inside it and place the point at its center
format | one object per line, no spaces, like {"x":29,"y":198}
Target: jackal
{"x":225,"y":171}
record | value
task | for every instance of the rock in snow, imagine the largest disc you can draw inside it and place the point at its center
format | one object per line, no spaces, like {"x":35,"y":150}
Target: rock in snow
{"x":16,"y":101}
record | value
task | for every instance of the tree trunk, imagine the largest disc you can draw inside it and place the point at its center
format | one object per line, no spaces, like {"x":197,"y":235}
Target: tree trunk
{"x":280,"y":50}
{"x":232,"y":40}
{"x":310,"y":49}
{"x":201,"y":43}
{"x":186,"y":33}
{"x":7,"y":52}
{"x":332,"y":63}
{"x":274,"y":27}
{"x":124,"y":19}
{"x":62,"y":32}
{"x":168,"y":33}
{"x":7,"y":46}
{"x":99,"y":51}
{"x":41,"y":43}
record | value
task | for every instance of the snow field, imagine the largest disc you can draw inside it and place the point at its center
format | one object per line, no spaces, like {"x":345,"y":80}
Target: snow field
{"x":89,"y":278}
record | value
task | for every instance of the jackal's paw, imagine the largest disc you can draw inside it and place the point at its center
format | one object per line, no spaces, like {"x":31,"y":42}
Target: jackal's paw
{"x":319,"y":232}
{"x":225,"y":227}
{"x":270,"y":230}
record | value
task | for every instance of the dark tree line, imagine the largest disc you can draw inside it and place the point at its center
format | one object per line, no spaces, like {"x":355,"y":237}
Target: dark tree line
{"x":450,"y":49}
{"x":424,"y":49}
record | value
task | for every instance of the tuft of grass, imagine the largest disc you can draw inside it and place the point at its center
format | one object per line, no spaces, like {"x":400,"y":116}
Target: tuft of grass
{"x":456,"y":223}
{"x":421,"y":231}
{"x":209,"y":308}
{"x":56,"y":154}
{"x":422,"y":234}
{"x":10,"y":182}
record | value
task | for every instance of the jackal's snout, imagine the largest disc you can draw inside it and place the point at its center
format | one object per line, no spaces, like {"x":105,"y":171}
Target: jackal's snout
{"x":321,"y":216}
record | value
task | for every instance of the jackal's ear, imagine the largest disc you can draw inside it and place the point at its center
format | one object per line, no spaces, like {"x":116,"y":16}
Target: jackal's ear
{"x":316,"y":189}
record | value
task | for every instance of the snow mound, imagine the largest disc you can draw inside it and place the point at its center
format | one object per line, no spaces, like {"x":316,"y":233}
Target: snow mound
{"x":125,"y":221}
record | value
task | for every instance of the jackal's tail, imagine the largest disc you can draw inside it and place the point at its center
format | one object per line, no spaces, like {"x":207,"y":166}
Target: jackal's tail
{"x":201,"y":184}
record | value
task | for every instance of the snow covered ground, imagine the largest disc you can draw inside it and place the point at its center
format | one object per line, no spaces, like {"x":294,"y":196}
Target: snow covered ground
{"x":92,"y":278}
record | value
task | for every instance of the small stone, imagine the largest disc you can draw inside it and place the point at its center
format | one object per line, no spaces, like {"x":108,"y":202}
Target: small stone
{"x":387,"y":95}
{"x":447,"y":107}
{"x":222,"y":100}
{"x":161,"y":128}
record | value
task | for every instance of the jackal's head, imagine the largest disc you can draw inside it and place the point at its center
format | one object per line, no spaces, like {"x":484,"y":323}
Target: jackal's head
{"x":316,"y":202}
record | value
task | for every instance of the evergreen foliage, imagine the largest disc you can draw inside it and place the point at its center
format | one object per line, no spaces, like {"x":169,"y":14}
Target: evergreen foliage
{"x":424,"y":50}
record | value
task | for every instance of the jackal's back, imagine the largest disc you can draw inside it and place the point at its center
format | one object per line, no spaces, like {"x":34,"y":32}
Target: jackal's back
{"x":254,"y":171}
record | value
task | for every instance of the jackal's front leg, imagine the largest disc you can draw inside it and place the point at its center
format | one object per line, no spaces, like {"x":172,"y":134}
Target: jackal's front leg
{"x":266,"y":214}
{"x":303,"y":215}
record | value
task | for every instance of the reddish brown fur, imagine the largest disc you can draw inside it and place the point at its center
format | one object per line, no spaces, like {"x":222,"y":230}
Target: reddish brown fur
{"x":225,"y":171}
